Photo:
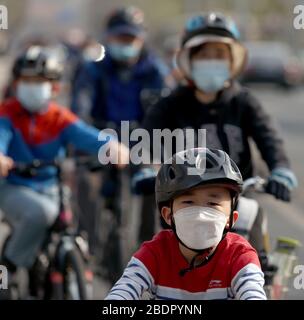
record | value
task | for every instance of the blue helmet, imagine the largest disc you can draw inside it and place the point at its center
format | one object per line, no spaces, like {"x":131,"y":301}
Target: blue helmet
{"x":210,"y":24}
{"x":211,"y":27}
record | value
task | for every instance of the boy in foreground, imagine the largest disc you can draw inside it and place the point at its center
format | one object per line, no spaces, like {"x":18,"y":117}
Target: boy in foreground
{"x":198,"y":258}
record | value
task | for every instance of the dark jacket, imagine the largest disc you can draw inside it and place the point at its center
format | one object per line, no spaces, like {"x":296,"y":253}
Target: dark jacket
{"x":230,"y":121}
{"x":115,"y":92}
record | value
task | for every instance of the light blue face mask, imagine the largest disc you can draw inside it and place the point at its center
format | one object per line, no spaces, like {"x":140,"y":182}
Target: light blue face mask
{"x":210,"y":75}
{"x":123,"y":52}
{"x":34,"y":97}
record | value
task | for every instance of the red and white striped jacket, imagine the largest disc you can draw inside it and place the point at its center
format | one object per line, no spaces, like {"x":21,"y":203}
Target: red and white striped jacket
{"x":233,"y":272}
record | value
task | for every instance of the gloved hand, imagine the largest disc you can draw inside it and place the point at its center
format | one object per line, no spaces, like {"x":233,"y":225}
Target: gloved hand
{"x":143,"y":181}
{"x":281,"y":182}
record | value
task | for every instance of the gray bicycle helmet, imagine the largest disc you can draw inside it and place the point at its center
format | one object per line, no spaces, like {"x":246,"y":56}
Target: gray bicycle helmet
{"x":208,"y":166}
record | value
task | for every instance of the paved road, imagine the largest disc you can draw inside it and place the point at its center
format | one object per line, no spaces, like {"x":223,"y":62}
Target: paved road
{"x":287,"y":109}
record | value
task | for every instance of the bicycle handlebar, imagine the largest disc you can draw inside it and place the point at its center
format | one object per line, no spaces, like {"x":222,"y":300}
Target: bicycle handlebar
{"x":256,"y":184}
{"x":30,"y":169}
{"x":144,"y":184}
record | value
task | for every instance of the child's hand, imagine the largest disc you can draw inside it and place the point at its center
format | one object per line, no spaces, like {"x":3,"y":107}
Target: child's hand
{"x":121,"y":154}
{"x":6,"y":164}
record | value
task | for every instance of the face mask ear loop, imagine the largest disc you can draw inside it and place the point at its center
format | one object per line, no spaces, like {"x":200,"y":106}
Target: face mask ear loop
{"x":172,"y":219}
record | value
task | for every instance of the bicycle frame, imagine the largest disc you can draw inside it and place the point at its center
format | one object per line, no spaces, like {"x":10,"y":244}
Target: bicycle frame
{"x":47,"y":278}
{"x":283,"y":256}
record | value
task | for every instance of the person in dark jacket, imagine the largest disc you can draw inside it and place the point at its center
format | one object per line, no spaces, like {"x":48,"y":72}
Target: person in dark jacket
{"x":210,"y":58}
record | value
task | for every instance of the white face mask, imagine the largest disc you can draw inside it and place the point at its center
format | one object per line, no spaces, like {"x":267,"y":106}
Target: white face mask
{"x":34,"y":97}
{"x":200,"y":227}
{"x":210,"y":75}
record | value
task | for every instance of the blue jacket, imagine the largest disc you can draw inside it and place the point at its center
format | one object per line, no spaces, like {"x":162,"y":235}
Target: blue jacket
{"x":114,"y":92}
{"x":25,"y":137}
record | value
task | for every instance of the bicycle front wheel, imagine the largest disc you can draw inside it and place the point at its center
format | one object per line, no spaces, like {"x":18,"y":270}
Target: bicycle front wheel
{"x":76,"y":285}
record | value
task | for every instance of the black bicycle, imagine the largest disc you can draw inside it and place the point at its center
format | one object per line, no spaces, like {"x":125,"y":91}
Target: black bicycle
{"x":62,"y":269}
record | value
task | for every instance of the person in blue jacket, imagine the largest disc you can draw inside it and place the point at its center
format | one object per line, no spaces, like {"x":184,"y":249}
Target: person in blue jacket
{"x":32,"y":126}
{"x":121,"y":88}
{"x":117,"y":85}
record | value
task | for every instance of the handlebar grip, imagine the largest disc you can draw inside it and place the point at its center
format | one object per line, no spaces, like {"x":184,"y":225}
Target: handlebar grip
{"x":25,"y":171}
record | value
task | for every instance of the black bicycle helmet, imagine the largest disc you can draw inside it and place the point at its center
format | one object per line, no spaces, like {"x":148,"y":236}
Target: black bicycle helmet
{"x":194,"y":167}
{"x":38,"y":61}
{"x":127,"y":20}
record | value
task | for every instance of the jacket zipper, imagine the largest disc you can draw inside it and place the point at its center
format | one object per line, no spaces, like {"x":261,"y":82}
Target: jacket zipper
{"x":32,"y":129}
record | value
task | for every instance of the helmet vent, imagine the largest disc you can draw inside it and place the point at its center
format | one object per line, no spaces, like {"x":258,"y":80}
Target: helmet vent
{"x":172,"y":174}
{"x":209,"y":164}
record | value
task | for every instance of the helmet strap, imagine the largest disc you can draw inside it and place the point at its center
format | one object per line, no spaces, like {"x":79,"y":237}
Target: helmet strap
{"x":234,"y":203}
